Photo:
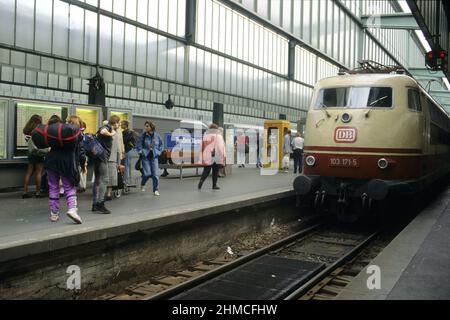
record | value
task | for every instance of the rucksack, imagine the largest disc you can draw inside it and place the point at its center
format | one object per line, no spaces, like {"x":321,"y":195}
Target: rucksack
{"x":94,"y":148}
{"x":57,"y":135}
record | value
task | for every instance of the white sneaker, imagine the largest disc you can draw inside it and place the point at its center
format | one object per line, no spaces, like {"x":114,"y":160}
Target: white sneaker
{"x":73,"y":214}
{"x":54,"y":217}
{"x":143,"y":189}
{"x":157,"y":193}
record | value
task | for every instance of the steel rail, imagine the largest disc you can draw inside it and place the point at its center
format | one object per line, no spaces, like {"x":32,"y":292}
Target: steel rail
{"x":328,"y":270}
{"x":189,"y":284}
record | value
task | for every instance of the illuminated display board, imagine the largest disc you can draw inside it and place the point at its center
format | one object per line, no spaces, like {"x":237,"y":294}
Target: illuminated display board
{"x":25,"y":110}
{"x":3,"y":128}
{"x":90,"y":116}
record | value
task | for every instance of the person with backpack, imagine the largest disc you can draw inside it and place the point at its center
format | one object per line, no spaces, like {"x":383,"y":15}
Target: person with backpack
{"x":56,"y":119}
{"x":63,"y":163}
{"x":129,"y":141}
{"x":213,"y":155}
{"x":150,"y":146}
{"x":35,"y":157}
{"x":104,"y":137}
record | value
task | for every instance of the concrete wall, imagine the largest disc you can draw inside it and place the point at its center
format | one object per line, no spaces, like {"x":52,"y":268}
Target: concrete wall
{"x":12,"y":175}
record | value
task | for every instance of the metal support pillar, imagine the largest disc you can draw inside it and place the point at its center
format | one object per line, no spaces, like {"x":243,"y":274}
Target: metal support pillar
{"x":291,"y":60}
{"x":191,"y":8}
{"x":218,"y":114}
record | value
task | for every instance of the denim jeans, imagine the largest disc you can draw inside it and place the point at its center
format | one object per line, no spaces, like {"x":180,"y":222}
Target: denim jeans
{"x":150,"y":169}
{"x":128,"y":176}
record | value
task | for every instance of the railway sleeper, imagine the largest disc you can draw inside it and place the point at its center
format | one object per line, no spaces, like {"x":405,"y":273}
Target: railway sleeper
{"x":339,"y":282}
{"x":170,"y":280}
{"x":331,"y":290}
{"x":323,"y":297}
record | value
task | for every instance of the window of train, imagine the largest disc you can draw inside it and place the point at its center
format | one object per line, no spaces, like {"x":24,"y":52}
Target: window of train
{"x":3,"y":128}
{"x":333,"y":98}
{"x":414,"y":100}
{"x":355,"y":97}
{"x":23,"y":113}
{"x":439,"y":127}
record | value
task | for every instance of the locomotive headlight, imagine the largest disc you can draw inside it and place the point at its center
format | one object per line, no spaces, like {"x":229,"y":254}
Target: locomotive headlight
{"x":383,"y":163}
{"x":346,"y":117}
{"x":310,"y":161}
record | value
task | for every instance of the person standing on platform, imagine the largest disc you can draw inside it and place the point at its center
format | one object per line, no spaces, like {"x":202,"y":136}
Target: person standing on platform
{"x":129,"y":141}
{"x":104,"y":136}
{"x":113,"y":162}
{"x":286,"y":149}
{"x":297,"y":145}
{"x":36,"y":158}
{"x":150,"y":146}
{"x":258,"y":151}
{"x":56,"y":119}
{"x":240,"y":148}
{"x":63,"y":164}
{"x":213,"y":155}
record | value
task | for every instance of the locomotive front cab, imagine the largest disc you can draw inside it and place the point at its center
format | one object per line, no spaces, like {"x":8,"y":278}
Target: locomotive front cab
{"x":361,"y":140}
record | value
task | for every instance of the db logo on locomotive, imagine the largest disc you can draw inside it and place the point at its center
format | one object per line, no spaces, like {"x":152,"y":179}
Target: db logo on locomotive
{"x":345,"y":134}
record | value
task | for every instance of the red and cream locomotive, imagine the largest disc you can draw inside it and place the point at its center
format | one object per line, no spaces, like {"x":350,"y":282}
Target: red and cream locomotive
{"x":371,"y":137}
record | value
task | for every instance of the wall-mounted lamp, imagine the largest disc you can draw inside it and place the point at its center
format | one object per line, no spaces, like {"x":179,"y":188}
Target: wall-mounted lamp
{"x":169,"y":103}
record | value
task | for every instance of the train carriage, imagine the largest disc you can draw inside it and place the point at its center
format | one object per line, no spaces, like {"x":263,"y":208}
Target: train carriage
{"x":371,"y":137}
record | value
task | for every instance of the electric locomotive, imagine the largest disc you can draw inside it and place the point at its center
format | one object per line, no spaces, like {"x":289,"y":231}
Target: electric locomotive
{"x":371,"y":137}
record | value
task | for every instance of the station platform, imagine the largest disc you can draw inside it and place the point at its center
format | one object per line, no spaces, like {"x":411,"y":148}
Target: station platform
{"x":416,"y":264}
{"x":25,"y":227}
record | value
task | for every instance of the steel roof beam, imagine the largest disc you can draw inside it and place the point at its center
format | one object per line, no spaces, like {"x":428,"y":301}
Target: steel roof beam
{"x":440,"y":93}
{"x":405,"y":21}
{"x":425,"y":73}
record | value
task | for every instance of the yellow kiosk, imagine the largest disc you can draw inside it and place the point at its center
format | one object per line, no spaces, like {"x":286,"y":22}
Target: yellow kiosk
{"x":274,"y":143}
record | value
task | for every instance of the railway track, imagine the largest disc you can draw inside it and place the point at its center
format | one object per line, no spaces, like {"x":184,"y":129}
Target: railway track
{"x":332,"y":284}
{"x":311,"y":261}
{"x":169,"y":285}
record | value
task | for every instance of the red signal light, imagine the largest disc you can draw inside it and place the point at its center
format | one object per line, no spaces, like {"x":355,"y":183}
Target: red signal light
{"x":436,"y":59}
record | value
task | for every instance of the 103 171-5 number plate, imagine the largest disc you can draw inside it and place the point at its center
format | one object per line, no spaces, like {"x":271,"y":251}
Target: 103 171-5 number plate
{"x":345,"y":162}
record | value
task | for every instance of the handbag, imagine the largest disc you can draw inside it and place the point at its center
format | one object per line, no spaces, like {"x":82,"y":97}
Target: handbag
{"x":138,"y":165}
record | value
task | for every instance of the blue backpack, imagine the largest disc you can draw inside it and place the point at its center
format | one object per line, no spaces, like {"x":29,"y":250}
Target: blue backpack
{"x":93,"y":148}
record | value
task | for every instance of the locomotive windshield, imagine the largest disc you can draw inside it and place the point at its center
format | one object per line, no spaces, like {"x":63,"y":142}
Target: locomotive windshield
{"x":354,"y":97}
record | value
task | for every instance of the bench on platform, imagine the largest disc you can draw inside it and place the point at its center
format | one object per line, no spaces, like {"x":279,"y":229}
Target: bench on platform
{"x":180,"y":167}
